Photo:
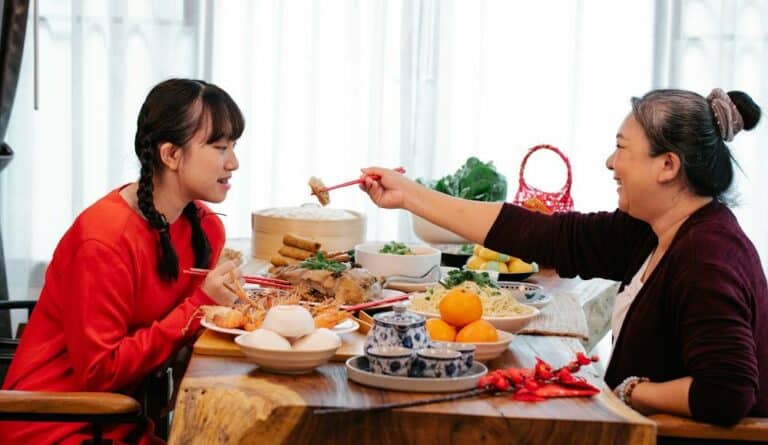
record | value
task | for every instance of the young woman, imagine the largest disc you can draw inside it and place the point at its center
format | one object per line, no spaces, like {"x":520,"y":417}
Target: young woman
{"x":115,"y":304}
{"x":691,"y":321}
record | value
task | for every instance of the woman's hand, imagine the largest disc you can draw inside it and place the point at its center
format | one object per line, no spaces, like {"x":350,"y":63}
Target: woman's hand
{"x":213,"y":285}
{"x":390,"y":191}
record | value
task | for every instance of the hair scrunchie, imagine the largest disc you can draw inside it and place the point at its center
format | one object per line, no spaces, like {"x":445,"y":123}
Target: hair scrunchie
{"x":727,"y":116}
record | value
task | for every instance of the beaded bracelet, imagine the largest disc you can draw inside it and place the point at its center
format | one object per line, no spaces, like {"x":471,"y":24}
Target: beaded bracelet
{"x":625,"y":388}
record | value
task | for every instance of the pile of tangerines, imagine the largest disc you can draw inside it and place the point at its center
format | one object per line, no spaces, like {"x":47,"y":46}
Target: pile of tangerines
{"x":461,"y":319}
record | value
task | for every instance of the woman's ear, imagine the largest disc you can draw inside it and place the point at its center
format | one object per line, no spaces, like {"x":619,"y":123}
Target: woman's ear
{"x":170,"y":155}
{"x":670,"y":167}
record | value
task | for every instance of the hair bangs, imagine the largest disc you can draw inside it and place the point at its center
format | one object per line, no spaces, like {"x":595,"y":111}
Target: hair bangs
{"x":224,"y":117}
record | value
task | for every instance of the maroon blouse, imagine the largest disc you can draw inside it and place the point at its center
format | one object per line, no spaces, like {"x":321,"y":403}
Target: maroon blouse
{"x":703,"y":312}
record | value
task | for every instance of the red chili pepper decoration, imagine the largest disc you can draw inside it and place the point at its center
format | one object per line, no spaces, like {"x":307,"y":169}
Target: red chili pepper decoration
{"x":541,"y":382}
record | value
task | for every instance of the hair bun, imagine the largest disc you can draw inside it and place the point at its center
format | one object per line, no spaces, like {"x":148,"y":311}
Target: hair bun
{"x":749,"y":110}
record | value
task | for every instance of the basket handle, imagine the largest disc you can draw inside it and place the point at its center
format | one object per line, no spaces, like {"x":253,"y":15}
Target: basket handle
{"x":521,"y":181}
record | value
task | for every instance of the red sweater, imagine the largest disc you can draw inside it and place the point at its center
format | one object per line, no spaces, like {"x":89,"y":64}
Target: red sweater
{"x":703,"y":311}
{"x":105,"y":319}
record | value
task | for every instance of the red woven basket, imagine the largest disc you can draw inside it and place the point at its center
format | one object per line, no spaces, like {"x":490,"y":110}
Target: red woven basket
{"x":560,"y":201}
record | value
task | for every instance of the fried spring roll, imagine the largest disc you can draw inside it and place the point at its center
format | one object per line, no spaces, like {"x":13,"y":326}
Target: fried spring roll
{"x":279,"y":260}
{"x":295,"y":253}
{"x":293,"y":240}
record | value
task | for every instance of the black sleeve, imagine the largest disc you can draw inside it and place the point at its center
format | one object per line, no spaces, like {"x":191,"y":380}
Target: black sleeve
{"x":590,"y":245}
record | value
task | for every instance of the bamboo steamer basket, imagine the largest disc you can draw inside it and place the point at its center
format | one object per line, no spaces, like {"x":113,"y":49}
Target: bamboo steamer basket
{"x":319,"y":223}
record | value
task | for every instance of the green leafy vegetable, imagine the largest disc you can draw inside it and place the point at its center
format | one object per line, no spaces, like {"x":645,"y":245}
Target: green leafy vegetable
{"x":395,"y":248}
{"x":467,"y":249}
{"x":475,"y":180}
{"x":319,"y":262}
{"x":456,"y":277}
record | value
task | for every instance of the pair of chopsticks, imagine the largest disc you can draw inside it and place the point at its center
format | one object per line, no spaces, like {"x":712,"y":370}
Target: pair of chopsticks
{"x":370,"y":304}
{"x":250,"y":279}
{"x":356,"y":181}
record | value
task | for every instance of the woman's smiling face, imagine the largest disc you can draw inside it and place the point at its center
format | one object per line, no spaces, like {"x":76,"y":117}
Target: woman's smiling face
{"x":634,"y":169}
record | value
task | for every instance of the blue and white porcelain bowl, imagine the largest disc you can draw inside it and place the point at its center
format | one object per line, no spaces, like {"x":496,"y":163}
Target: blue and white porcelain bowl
{"x":436,"y":363}
{"x":398,"y":328}
{"x":390,"y":360}
{"x":467,"y":351}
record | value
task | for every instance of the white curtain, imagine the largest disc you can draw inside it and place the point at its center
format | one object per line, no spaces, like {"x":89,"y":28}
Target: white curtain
{"x":722,"y":43}
{"x":98,"y":60}
{"x":328,"y":87}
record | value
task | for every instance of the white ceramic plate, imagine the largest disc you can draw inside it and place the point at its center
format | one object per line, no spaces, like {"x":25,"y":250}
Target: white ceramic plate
{"x":527,"y":293}
{"x":344,"y":327}
{"x":357,"y":371}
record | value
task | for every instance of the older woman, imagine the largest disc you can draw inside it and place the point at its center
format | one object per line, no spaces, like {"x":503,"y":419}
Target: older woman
{"x":691,"y":321}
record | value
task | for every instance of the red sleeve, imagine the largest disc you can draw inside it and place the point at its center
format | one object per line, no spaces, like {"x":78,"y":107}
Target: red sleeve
{"x":106,"y":355}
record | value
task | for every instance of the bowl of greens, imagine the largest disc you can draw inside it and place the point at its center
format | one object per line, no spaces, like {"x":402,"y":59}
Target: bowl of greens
{"x":385,"y":259}
{"x":454,"y":255}
{"x":475,"y":180}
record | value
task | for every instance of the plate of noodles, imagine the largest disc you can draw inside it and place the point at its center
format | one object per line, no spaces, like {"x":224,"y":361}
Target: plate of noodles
{"x":500,"y":306}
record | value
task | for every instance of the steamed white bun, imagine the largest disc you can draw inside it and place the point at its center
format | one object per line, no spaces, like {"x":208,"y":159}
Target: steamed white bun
{"x":321,"y":339}
{"x":291,"y":321}
{"x":265,"y":339}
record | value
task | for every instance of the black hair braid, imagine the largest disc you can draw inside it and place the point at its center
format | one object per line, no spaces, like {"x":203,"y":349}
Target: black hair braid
{"x":168,"y":264}
{"x":200,"y":243}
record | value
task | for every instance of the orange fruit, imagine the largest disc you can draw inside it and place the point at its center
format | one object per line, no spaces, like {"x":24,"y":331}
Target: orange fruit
{"x":477,"y":332}
{"x":460,"y":308}
{"x":439,"y":330}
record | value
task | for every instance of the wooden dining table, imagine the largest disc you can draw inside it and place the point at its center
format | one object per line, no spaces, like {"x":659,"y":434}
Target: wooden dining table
{"x":225,"y":399}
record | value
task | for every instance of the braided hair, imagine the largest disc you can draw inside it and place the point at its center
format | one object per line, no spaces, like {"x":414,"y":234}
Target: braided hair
{"x":173,"y":112}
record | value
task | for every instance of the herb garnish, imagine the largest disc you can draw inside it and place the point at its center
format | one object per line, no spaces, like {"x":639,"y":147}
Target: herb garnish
{"x":395,"y":248}
{"x":456,"y":277}
{"x":319,"y":262}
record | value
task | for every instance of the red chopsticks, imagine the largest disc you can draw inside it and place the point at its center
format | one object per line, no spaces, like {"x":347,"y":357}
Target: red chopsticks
{"x":370,"y":304}
{"x":250,"y":279}
{"x":356,"y":181}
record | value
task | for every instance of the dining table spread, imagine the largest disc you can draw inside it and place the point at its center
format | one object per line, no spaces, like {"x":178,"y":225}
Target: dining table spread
{"x":225,"y":399}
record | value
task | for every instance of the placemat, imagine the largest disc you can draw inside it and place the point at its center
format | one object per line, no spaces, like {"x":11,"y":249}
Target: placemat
{"x":563,"y":317}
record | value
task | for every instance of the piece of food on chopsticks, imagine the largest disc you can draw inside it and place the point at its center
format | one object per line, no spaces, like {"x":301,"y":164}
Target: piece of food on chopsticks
{"x":318,"y":189}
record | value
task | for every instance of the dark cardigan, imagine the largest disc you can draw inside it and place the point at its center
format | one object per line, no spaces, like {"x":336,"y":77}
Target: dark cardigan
{"x":703,"y":312}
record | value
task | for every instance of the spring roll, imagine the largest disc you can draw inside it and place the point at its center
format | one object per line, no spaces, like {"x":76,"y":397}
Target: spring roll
{"x":318,"y":189}
{"x":295,"y":253}
{"x":279,"y":260}
{"x":293,"y":240}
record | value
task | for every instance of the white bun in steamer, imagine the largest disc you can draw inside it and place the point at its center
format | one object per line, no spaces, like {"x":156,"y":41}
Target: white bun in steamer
{"x":290,"y":321}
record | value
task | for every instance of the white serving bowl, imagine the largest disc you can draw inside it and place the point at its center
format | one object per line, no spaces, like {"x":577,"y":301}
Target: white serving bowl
{"x":285,"y":362}
{"x":384,"y":264}
{"x":433,"y":234}
{"x":515,"y":323}
{"x":510,"y":324}
{"x":487,"y":351}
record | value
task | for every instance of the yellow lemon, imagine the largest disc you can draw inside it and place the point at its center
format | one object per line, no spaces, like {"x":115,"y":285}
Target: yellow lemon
{"x":475,"y":263}
{"x":516,"y":265}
